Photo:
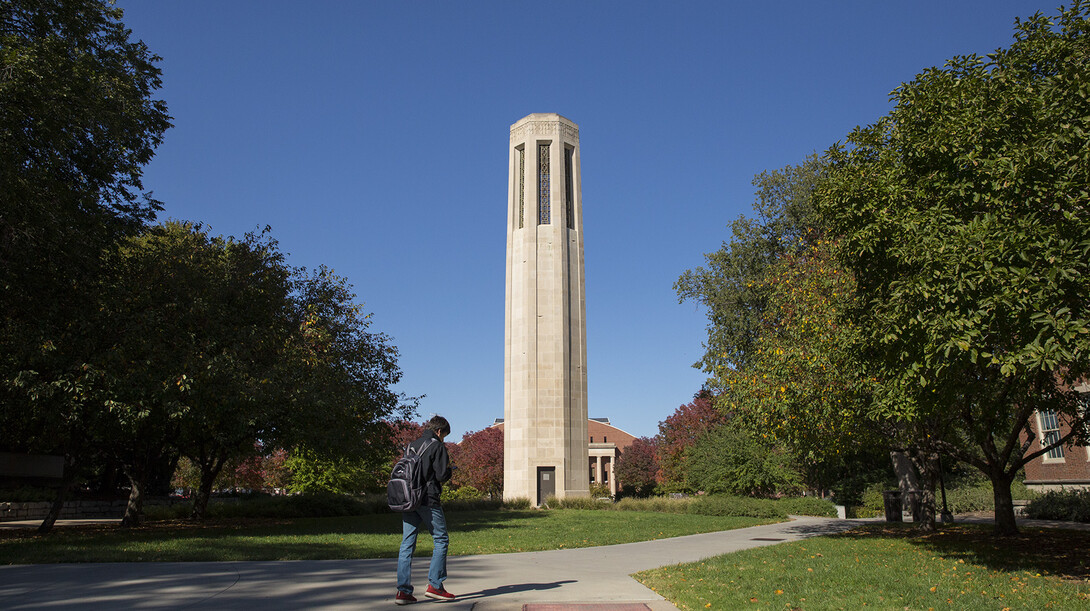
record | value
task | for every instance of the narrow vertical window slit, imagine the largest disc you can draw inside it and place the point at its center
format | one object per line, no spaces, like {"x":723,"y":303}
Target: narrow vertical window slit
{"x":522,"y":184}
{"x":569,"y":188}
{"x":543,"y":184}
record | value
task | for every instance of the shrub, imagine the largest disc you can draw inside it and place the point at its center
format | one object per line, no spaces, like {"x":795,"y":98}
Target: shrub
{"x":726,"y":505}
{"x":176,"y":511}
{"x":462,"y":493}
{"x":576,"y":502}
{"x":966,"y":499}
{"x":807,"y":506}
{"x":1073,"y":505}
{"x":315,"y":505}
{"x":27,"y":494}
{"x":859,"y":511}
{"x":599,"y":491}
{"x":872,"y":497}
{"x":660,"y":504}
{"x":732,"y":461}
{"x":516,"y":503}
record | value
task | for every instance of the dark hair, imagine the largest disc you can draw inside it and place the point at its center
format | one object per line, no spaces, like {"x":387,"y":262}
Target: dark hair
{"x":438,"y":425}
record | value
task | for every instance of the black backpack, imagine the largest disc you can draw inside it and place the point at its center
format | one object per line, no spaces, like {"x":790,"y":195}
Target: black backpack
{"x":407,"y":485}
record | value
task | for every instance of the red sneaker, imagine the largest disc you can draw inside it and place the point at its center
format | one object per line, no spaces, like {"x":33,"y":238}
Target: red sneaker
{"x":404,"y":599}
{"x":441,"y":595}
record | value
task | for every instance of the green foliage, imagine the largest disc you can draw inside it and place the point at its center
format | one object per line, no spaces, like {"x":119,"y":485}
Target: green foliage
{"x":155,"y":512}
{"x":77,"y":122}
{"x":807,"y":506}
{"x":27,"y":494}
{"x":312,"y":474}
{"x":729,"y":286}
{"x":779,"y":350}
{"x":461,"y":493}
{"x":1072,"y":505}
{"x":731,"y":460}
{"x":872,"y":497}
{"x":739,"y":506}
{"x":575,"y":502}
{"x":599,"y":491}
{"x":959,"y":216}
{"x":661,"y":504}
{"x":310,"y":505}
{"x":856,"y":511}
{"x":519,"y":503}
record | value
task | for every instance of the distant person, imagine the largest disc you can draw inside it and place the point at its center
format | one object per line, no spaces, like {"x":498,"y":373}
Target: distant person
{"x":428,"y":516}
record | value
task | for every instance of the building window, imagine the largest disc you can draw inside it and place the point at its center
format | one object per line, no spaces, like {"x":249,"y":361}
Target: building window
{"x":592,"y":438}
{"x":543,"y":184}
{"x":569,"y":187}
{"x":522,"y":184}
{"x":605,"y":439}
{"x":1050,"y":433}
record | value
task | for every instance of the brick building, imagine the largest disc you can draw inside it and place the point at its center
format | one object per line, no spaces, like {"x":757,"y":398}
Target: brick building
{"x":1067,"y":466}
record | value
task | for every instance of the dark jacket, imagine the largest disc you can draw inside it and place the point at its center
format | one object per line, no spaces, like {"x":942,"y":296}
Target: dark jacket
{"x":436,"y":463}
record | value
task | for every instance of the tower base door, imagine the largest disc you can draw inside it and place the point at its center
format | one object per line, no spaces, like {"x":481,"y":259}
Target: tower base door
{"x":546,"y":484}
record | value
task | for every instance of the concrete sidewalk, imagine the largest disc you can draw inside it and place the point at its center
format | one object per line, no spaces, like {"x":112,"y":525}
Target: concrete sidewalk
{"x":494,"y":582}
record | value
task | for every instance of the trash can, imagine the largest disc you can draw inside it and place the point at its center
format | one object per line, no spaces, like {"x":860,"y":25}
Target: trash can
{"x":892,"y":501}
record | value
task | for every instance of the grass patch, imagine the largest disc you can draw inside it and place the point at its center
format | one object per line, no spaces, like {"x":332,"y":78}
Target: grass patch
{"x":369,"y":536}
{"x":889,"y":567}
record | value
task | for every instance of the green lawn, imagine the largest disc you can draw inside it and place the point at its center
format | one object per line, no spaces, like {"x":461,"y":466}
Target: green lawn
{"x":881,"y":567}
{"x":371,"y":536}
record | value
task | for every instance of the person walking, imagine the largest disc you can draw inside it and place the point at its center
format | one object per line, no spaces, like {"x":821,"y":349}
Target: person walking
{"x":428,"y":516}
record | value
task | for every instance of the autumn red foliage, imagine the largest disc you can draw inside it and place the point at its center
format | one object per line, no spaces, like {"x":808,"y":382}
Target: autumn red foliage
{"x":680,"y":431}
{"x":638,"y":467}
{"x":479,"y":461}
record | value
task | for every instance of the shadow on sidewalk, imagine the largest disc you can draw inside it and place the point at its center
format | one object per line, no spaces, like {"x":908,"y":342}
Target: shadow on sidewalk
{"x":514,"y":588}
{"x":830,"y":527}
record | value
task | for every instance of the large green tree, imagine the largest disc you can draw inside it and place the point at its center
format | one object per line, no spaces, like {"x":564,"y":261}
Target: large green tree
{"x":963,"y":217}
{"x":339,"y":378}
{"x":194,"y":327}
{"x":779,"y":352}
{"x":78,"y":120}
{"x":731,"y":284}
{"x":200,"y":325}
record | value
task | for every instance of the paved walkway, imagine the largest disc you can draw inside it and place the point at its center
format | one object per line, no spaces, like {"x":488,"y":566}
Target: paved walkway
{"x":490,"y":582}
{"x":585,"y":579}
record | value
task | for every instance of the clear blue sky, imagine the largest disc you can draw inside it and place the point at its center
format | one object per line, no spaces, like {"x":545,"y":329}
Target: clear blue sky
{"x":372,"y":137}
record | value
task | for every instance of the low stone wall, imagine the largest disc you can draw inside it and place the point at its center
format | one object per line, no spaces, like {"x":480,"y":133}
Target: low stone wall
{"x":74,"y":509}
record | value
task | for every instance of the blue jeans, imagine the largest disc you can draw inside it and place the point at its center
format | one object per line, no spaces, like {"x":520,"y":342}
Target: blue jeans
{"x":432,"y":520}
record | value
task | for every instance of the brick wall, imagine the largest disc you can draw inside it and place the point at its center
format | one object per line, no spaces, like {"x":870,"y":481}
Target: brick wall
{"x":1073,"y":470}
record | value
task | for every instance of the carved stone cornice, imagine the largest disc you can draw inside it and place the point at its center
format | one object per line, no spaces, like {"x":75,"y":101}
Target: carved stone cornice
{"x":568,"y":133}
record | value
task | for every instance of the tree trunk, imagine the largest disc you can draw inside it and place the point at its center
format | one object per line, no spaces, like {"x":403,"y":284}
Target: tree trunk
{"x":927,"y":465}
{"x":905,"y":472}
{"x":55,"y":509}
{"x":1005,"y":523}
{"x":135,"y":508}
{"x":209,"y":473}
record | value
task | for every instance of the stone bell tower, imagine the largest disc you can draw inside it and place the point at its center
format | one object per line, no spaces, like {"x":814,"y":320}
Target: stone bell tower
{"x":545,"y":343}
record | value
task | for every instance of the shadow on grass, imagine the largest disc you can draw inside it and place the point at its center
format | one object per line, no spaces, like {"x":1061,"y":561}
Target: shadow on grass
{"x":238,"y":539}
{"x":1065,"y":553}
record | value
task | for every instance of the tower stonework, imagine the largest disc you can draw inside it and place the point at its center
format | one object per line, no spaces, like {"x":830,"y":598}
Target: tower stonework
{"x":545,"y":353}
